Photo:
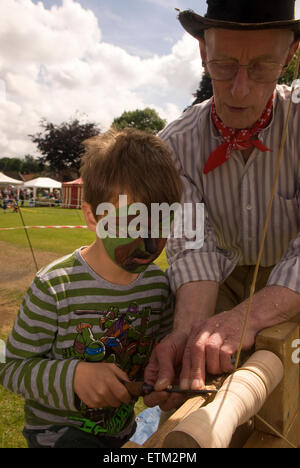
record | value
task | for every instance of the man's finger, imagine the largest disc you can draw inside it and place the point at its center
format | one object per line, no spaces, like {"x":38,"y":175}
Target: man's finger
{"x":165,"y":367}
{"x":212,"y":352}
{"x":193,"y":363}
{"x":190,"y":367}
{"x":198,"y":359}
{"x":226,"y":352}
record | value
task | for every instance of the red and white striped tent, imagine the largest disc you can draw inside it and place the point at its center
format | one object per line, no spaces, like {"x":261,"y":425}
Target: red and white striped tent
{"x":72,"y":194}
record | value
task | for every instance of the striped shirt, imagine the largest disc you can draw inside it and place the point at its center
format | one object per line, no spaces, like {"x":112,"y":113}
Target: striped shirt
{"x":71,"y":314}
{"x":236,"y":197}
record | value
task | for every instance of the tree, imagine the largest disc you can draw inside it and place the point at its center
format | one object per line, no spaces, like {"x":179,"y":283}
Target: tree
{"x":147,"y":120}
{"x":27,"y":165}
{"x":288,"y":77}
{"x":61,"y":145}
{"x":205,"y":90}
{"x":31,"y":165}
{"x":10,"y":164}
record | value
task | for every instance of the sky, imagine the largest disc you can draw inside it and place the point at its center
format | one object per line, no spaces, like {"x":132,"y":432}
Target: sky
{"x":92,"y":59}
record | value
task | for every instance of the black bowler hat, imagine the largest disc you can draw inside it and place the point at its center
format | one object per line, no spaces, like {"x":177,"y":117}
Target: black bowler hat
{"x":242,"y":14}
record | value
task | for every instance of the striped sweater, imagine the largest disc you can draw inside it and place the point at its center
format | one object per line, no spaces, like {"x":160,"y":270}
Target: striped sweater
{"x":71,"y":314}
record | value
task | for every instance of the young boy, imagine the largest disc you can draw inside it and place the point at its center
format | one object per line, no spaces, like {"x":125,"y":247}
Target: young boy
{"x":89,"y":320}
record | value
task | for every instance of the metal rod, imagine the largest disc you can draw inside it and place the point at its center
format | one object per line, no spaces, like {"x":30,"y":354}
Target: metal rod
{"x":176,"y":389}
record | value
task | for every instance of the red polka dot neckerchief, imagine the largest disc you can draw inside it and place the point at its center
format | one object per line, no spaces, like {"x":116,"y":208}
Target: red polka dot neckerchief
{"x":236,"y":139}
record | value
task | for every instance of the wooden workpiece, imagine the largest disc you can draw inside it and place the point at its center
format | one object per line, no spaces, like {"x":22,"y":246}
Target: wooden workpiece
{"x":238,"y":400}
{"x":281,"y":409}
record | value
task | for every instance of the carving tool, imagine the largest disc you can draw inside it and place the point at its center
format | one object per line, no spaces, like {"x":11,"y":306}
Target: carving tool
{"x":140,"y":388}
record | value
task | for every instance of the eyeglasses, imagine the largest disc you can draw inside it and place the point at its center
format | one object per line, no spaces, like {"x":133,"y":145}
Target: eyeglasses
{"x":259,"y":71}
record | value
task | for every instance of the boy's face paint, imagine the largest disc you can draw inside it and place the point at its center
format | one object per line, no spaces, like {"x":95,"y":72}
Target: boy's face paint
{"x":132,"y":254}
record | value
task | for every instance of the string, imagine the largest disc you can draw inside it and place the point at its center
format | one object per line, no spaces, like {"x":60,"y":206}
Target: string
{"x":275,"y":431}
{"x":28,"y":239}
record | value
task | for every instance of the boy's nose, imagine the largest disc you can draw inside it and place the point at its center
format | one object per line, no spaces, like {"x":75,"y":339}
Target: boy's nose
{"x":240,"y":87}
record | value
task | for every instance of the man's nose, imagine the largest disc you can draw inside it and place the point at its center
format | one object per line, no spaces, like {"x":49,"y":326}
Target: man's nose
{"x":240,"y":87}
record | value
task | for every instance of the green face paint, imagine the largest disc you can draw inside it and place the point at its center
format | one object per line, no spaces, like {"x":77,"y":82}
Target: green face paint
{"x":132,"y":253}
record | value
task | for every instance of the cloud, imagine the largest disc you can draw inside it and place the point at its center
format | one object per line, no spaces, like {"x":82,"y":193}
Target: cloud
{"x":169,"y":4}
{"x":55,"y":64}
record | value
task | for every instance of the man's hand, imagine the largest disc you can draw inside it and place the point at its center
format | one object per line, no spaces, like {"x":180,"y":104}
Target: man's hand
{"x":99,"y":385}
{"x":166,"y":360}
{"x":211,"y":346}
{"x":209,"y":343}
{"x":163,"y":369}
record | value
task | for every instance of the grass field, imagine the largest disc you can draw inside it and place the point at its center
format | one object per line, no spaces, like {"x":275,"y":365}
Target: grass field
{"x":61,"y":241}
{"x":47,"y":245}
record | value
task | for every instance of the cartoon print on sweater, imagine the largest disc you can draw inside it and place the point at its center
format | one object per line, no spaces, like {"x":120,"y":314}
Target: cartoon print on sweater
{"x":86,"y":347}
{"x":123,"y":341}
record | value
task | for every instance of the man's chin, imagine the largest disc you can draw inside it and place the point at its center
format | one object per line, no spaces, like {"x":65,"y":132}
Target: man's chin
{"x":239,"y":122}
{"x":239,"y":118}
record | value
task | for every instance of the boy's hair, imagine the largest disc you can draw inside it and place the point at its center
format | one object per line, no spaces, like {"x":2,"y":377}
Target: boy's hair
{"x":129,"y":162}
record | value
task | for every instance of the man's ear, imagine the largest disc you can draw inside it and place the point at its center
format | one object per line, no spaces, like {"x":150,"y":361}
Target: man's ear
{"x":293,"y":49}
{"x":90,"y":220}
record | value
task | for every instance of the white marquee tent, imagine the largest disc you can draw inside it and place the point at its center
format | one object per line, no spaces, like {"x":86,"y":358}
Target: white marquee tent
{"x":5,"y":180}
{"x":42,"y":182}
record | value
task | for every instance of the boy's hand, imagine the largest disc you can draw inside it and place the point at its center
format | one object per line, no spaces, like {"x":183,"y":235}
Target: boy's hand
{"x":99,"y":385}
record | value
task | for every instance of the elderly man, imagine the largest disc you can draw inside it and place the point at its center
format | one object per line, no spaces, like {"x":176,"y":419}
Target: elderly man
{"x":226,"y":151}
